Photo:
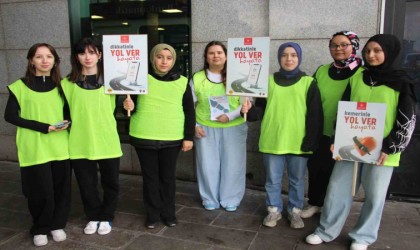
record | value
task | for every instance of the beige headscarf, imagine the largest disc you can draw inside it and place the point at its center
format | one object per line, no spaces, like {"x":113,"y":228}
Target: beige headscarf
{"x":155,"y":50}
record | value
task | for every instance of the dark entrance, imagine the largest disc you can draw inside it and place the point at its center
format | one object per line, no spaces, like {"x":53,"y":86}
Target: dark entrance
{"x":402,"y":19}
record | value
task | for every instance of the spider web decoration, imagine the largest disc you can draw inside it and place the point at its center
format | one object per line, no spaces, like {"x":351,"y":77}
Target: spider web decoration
{"x":404,"y":132}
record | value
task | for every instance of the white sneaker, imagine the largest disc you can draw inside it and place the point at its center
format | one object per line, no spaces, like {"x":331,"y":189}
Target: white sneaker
{"x":40,"y":240}
{"x":358,"y":246}
{"x":309,"y":211}
{"x":313,"y":239}
{"x":104,"y":227}
{"x":295,"y":221}
{"x":273,"y":216}
{"x":58,"y":235}
{"x":91,"y":227}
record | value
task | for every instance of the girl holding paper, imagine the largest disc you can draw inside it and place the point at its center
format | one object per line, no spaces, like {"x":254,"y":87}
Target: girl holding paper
{"x":332,"y":80}
{"x":161,"y":125}
{"x":380,"y":82}
{"x":220,"y":142}
{"x":94,"y":139}
{"x":290,"y":131}
{"x":36,"y":103}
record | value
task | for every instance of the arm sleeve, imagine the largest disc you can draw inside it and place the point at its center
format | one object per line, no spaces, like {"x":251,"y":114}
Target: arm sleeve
{"x":234,"y":114}
{"x":11,"y":115}
{"x":314,"y":119}
{"x":345,"y":97}
{"x":66,"y":109}
{"x":189,"y":112}
{"x":403,"y":128}
{"x":194,"y":96}
{"x":256,"y":112}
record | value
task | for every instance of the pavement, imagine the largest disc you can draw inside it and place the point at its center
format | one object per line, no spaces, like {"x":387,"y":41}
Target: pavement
{"x":197,"y":228}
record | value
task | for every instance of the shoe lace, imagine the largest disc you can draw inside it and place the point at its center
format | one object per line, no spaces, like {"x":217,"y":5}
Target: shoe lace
{"x":272,"y":216}
{"x":295,"y":217}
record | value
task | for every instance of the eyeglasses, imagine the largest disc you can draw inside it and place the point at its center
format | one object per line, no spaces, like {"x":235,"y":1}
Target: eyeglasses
{"x":339,"y":46}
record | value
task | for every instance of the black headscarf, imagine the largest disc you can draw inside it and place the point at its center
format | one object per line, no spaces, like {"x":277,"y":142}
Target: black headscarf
{"x":388,"y":73}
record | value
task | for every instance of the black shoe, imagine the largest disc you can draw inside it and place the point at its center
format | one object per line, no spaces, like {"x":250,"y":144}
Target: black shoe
{"x":170,"y":223}
{"x":151,"y":225}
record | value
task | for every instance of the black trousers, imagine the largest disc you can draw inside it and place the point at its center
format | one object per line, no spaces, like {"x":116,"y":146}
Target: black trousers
{"x":320,"y":166}
{"x":159,"y":184}
{"x":47,"y":188}
{"x":87,"y":178}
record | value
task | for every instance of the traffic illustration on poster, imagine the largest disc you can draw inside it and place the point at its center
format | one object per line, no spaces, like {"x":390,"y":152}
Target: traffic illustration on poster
{"x":248,"y":66}
{"x":125,"y":64}
{"x":359,"y":131}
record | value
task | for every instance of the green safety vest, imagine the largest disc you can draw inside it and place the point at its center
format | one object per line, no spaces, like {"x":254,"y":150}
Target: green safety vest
{"x":203,"y":90}
{"x":93,"y":133}
{"x":360,"y":92}
{"x":47,"y":107}
{"x":160,"y":114}
{"x":283,"y":126}
{"x":331,"y":92}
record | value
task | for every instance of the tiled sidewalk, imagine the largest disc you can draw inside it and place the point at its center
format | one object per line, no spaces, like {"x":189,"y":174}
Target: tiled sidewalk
{"x":197,"y":228}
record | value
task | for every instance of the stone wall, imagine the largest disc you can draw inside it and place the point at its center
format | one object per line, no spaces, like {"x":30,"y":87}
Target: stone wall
{"x":309,"y":23}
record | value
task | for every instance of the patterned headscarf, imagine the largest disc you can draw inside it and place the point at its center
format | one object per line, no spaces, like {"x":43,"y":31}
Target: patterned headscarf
{"x":353,"y":60}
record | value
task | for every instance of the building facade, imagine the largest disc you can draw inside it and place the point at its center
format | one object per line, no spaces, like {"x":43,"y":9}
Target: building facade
{"x":309,"y":23}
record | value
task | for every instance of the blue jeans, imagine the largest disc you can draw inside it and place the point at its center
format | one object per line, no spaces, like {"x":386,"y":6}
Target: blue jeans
{"x":338,"y":201}
{"x":274,"y":167}
{"x":221,"y":165}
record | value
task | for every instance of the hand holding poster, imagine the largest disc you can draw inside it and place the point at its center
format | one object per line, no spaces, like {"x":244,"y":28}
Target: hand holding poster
{"x":248,"y":66}
{"x":125,"y":64}
{"x":359,"y":131}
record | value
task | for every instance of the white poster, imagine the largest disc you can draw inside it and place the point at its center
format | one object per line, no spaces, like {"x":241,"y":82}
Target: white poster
{"x":359,"y":131}
{"x":125,"y":64}
{"x":248,"y":66}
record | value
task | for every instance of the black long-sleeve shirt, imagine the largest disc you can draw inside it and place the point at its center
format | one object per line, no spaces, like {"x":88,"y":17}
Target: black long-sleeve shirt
{"x":12,"y":111}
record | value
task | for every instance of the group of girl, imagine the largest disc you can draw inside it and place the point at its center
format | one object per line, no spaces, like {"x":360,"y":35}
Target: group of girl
{"x":41,"y":105}
{"x":293,"y":136}
{"x":296,"y":130}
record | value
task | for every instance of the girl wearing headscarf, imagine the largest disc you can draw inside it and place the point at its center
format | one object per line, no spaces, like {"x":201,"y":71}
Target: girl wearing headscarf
{"x":162,"y":124}
{"x":290,"y":131}
{"x":94,"y":140}
{"x":380,"y":82}
{"x":221,"y":143}
{"x":332,"y":79}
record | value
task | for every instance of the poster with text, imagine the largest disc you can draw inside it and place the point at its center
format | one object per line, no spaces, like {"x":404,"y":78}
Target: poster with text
{"x":359,"y":131}
{"x":125,"y":64}
{"x":247,"y":66}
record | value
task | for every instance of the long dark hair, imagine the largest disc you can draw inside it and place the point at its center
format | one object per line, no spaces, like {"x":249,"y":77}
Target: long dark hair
{"x":80,"y":47}
{"x":55,"y":74}
{"x":206,"y":64}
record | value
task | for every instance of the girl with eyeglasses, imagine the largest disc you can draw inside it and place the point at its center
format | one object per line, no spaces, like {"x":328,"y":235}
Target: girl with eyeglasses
{"x":332,"y":80}
{"x":382,"y":82}
{"x":35,"y":105}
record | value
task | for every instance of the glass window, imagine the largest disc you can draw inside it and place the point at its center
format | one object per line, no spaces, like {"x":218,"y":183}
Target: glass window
{"x":411,"y":43}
